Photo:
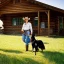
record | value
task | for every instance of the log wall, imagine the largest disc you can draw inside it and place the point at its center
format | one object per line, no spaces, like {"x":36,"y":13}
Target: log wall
{"x":23,"y":6}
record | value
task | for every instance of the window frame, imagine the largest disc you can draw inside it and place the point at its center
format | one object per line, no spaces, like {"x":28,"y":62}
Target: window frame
{"x":19,"y":21}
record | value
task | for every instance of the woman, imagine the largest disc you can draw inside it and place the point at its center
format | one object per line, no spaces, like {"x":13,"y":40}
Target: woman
{"x":26,"y":30}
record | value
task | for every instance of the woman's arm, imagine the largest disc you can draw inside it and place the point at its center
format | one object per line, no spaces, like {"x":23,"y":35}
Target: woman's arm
{"x":22,"y":30}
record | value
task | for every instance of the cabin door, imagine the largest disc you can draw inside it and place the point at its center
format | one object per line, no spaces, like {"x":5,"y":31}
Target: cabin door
{"x":35,"y":24}
{"x":60,"y":25}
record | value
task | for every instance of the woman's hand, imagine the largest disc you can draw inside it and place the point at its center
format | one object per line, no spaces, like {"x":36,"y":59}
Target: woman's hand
{"x":22,"y":31}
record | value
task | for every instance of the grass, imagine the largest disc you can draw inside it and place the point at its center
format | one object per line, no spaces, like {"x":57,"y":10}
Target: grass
{"x":12,"y":51}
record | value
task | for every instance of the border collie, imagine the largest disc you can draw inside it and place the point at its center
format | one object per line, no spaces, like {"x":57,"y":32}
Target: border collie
{"x":36,"y":44}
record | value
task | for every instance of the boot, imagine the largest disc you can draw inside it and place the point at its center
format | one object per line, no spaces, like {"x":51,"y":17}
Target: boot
{"x":26,"y":47}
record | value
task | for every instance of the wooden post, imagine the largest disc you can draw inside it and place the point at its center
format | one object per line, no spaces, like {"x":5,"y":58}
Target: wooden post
{"x":58,"y":25}
{"x":38,"y":23}
{"x":48,"y":23}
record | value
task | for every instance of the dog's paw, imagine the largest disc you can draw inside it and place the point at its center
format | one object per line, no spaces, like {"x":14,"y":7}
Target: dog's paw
{"x":33,"y":50}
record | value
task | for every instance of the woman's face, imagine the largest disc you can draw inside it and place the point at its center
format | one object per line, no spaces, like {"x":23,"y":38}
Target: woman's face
{"x":26,"y":20}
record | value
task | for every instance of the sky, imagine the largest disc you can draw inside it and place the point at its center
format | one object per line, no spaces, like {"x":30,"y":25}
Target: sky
{"x":56,"y":3}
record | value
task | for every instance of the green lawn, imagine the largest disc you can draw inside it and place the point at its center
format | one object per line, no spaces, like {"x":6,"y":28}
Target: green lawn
{"x":12,"y":51}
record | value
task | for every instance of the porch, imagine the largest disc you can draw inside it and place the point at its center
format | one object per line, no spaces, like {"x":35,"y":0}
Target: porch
{"x":40,"y":21}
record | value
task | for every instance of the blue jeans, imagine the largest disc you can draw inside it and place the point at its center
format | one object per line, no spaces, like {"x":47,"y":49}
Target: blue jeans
{"x":25,"y":37}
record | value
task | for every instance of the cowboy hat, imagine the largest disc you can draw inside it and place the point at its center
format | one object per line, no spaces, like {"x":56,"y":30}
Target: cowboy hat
{"x":26,"y":18}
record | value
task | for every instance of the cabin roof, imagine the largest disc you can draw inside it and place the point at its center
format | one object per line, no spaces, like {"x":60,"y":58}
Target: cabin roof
{"x":48,"y":6}
{"x":5,"y":2}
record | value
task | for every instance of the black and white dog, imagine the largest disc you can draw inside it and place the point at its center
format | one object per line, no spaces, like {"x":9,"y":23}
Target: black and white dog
{"x":36,"y":44}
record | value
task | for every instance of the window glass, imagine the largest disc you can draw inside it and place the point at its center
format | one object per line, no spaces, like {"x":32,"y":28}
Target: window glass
{"x":17,"y":21}
{"x":36,"y":21}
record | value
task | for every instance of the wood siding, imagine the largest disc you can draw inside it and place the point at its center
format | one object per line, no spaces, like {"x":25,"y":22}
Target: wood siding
{"x":24,"y":6}
{"x":10,"y":29}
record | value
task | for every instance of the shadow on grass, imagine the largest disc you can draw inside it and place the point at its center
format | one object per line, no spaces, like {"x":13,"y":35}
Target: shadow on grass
{"x":56,"y":57}
{"x":11,"y":51}
{"x":4,"y":59}
{"x":52,"y":36}
{"x":11,"y":34}
{"x":56,"y":36}
{"x":45,"y":43}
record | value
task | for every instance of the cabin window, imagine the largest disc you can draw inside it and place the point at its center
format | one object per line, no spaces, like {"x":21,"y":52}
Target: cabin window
{"x":42,"y":24}
{"x":61,"y":22}
{"x":36,"y":21}
{"x":17,"y":21}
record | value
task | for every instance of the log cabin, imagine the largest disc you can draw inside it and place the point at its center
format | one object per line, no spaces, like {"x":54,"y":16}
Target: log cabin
{"x":45,"y":19}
